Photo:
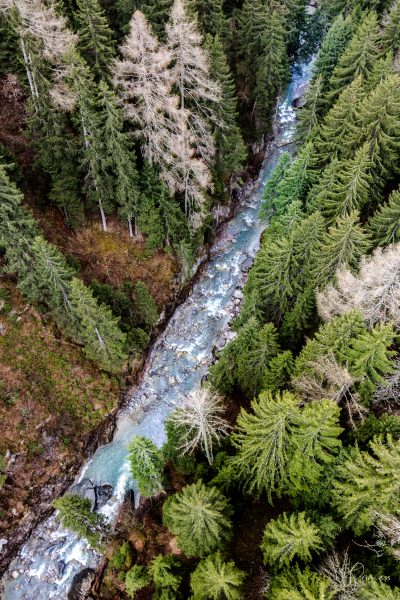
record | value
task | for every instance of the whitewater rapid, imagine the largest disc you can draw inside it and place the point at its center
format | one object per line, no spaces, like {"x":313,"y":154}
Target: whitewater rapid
{"x":52,"y":556}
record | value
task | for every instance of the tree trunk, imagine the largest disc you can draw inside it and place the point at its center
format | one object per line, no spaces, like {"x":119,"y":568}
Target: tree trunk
{"x":130,"y":228}
{"x":29,"y":72}
{"x":103,"y":217}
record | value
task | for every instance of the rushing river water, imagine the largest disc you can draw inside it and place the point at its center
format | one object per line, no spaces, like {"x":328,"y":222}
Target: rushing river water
{"x":179,"y":360}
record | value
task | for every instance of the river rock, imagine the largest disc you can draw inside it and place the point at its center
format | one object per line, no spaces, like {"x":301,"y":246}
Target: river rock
{"x":81,"y":585}
{"x":246,"y":265}
{"x":103,"y":494}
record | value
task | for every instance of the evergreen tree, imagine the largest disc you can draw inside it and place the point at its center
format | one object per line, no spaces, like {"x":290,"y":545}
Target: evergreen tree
{"x":376,"y":590}
{"x":278,"y":373}
{"x":352,"y":189}
{"x":75,"y":513}
{"x":137,"y":578}
{"x":252,"y":23}
{"x":157,"y":13}
{"x":301,"y":585}
{"x":121,"y":156}
{"x":217,"y":580}
{"x":212,"y":19}
{"x":145,"y":307}
{"x":270,"y":193}
{"x":384,"y":225}
{"x":342,"y":246}
{"x":263,"y":440}
{"x":160,"y":216}
{"x":199,"y":518}
{"x":359,"y":56}
{"x":379,"y":123}
{"x":369,"y":356}
{"x":95,"y":36}
{"x":163,"y":571}
{"x":288,"y":537}
{"x":367,"y":483}
{"x":309,"y":115}
{"x":391,"y":28}
{"x":95,"y":160}
{"x":334,"y":131}
{"x":273,"y":66}
{"x":230,"y":149}
{"x":333,"y":45}
{"x":103,"y":340}
{"x":146,"y":465}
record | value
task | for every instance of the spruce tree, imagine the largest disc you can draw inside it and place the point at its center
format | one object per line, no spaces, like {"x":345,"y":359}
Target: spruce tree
{"x":367,"y":483}
{"x":369,"y":355}
{"x":98,"y":329}
{"x":137,"y":578}
{"x":95,"y":36}
{"x":121,"y":157}
{"x":353,"y":188}
{"x":157,"y":13}
{"x":145,"y":308}
{"x":333,"y":45}
{"x":384,"y":225}
{"x":75,"y":513}
{"x":278,"y":372}
{"x":377,"y":590}
{"x":271,"y":189}
{"x":212,"y":19}
{"x":263,"y":442}
{"x":164,"y":571}
{"x":146,"y":465}
{"x":252,"y":23}
{"x":301,"y":585}
{"x":273,"y":68}
{"x":230,"y":149}
{"x":290,"y":536}
{"x":359,"y":56}
{"x":379,"y":125}
{"x":199,"y":518}
{"x":334,"y":130}
{"x":391,"y":28}
{"x":216,"y":579}
{"x":342,"y":246}
{"x":309,"y":115}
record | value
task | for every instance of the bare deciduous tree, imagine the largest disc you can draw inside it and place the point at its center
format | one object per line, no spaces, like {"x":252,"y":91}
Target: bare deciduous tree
{"x":387,"y":393}
{"x":345,"y":577}
{"x":145,"y":81}
{"x":327,"y":379}
{"x":375,"y":291}
{"x":200,"y":417}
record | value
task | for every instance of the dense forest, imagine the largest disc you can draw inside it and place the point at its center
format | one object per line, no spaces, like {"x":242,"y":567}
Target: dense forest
{"x":278,"y":478}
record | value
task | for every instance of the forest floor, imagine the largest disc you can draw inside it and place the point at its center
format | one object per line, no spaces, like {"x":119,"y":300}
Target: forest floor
{"x":55,"y":405}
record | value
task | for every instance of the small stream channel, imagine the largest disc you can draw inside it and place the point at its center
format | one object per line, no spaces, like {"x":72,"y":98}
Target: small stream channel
{"x":52,"y":556}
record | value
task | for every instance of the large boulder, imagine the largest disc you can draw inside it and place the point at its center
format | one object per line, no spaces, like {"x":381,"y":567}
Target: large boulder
{"x":81,"y":585}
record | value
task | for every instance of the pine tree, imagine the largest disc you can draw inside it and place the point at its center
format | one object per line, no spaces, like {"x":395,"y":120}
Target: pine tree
{"x":384,"y":225}
{"x":301,"y":585}
{"x":75,"y":513}
{"x":391,"y":28}
{"x":121,"y":156}
{"x":199,"y":518}
{"x":333,"y":45}
{"x":288,"y":537}
{"x":369,"y":356}
{"x":273,"y":68}
{"x":367,"y":483}
{"x":342,"y":246}
{"x":146,"y":465}
{"x":230,"y":149}
{"x":95,"y":36}
{"x":352,"y":189}
{"x":359,"y":56}
{"x":263,"y":440}
{"x":98,"y":329}
{"x":379,"y":123}
{"x":309,"y":115}
{"x":157,"y":13}
{"x":334,"y":130}
{"x":217,"y":580}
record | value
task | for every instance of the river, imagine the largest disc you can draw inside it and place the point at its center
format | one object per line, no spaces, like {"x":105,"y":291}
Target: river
{"x":48,"y":561}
